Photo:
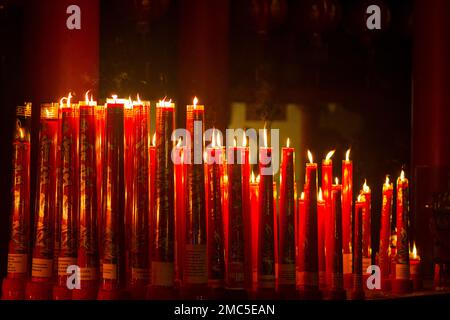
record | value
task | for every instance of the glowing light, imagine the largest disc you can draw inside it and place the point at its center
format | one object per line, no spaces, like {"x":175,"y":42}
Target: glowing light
{"x":244,"y":140}
{"x":347,"y":155}
{"x":414,"y":251}
{"x":366,"y":188}
{"x":288,"y":142}
{"x":387,"y":184}
{"x":402,"y":175}
{"x":329,"y":155}
{"x":302,"y":196}
{"x":21,"y":133}
{"x":319,"y":195}
{"x":154,"y":139}
{"x":86,"y":97}
{"x":252,"y":177}
{"x":310,"y":157}
{"x":234,"y":142}
{"x":258,"y":178}
{"x":195,"y":101}
{"x":213,"y":139}
{"x":265,"y":137}
{"x":218,"y":141}
{"x":178,"y":143}
{"x":336,"y":180}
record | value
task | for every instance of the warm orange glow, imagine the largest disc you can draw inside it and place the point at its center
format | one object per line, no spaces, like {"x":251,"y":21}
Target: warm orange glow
{"x":244,"y":140}
{"x":21,"y":133}
{"x":302,"y":196}
{"x":258,"y":178}
{"x":114,"y":96}
{"x":154,"y":139}
{"x":319,"y":195}
{"x":86,"y":97}
{"x":310,"y":157}
{"x":67,"y":99}
{"x":347,"y":155}
{"x":178,"y":143}
{"x":360,"y":198}
{"x":366,"y":188}
{"x":336,"y":180}
{"x":329,"y":155}
{"x":213,"y":139}
{"x":288,"y":143}
{"x":138,"y":99}
{"x":164,"y":103}
{"x":218,"y":142}
{"x":195,"y":101}
{"x":265,"y":137}
{"x":387,"y":184}
{"x":402,"y":175}
{"x":252,"y":177}
{"x":414,"y":252}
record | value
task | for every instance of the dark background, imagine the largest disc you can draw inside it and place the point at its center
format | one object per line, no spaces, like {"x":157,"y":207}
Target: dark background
{"x":311,"y":52}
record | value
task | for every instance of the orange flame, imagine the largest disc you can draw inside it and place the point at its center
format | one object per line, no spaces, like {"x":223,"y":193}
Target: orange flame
{"x":244,"y":140}
{"x":154,"y":139}
{"x":329,"y":155}
{"x":336,"y":180}
{"x":402,"y":175}
{"x":288,"y":142}
{"x":252,"y":177}
{"x":195,"y":101}
{"x":366,"y":188}
{"x":310,"y":157}
{"x":347,"y":155}
{"x":319,"y":195}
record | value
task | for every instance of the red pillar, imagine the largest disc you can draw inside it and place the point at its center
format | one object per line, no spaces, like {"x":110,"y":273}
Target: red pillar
{"x":430,"y":115}
{"x":203,"y":58}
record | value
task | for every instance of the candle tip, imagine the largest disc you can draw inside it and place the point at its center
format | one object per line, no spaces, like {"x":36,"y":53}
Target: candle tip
{"x":310,"y":157}
{"x":154,"y":139}
{"x":402,"y":175}
{"x":288,"y":143}
{"x":336,"y":180}
{"x":195,"y":101}
{"x":244,"y":139}
{"x":347,"y":155}
{"x":329,"y":155}
{"x":366,"y":188}
{"x":320,"y":195}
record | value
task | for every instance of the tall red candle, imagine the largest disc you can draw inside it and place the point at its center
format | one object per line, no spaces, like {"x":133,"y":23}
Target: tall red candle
{"x":88,"y":254}
{"x":129,"y":170}
{"x":238,"y":271}
{"x":402,"y":282}
{"x":321,"y":239}
{"x":327,"y":181}
{"x":40,"y":285}
{"x":100,"y":156}
{"x":195,"y":275}
{"x":152,"y":197}
{"x":68,"y":217}
{"x":163,"y":253}
{"x":180,"y":205}
{"x":13,"y":287}
{"x":113,"y":229}
{"x":358,"y":284}
{"x":254,"y":207}
{"x":140,"y":242}
{"x":367,"y":227}
{"x":287,"y":252}
{"x":334,"y":262}
{"x":266,"y":227}
{"x":308,"y":282}
{"x":385,"y":234}
{"x":347,"y":221}
{"x":215,"y":231}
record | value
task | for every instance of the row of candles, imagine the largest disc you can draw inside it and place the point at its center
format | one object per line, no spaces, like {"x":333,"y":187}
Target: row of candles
{"x":134,"y":221}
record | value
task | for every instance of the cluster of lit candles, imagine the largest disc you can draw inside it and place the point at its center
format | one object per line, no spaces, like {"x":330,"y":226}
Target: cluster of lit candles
{"x":137,"y":224}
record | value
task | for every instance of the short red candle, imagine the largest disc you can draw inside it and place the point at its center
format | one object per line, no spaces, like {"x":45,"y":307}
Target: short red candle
{"x":40,"y":285}
{"x":88,"y":254}
{"x":113,"y":229}
{"x":327,"y":181}
{"x":152,"y":190}
{"x":347,"y":206}
{"x":385,"y":234}
{"x":415,"y":271}
{"x":321,"y":219}
{"x":367,"y":227}
{"x":358,"y":285}
{"x":180,"y":204}
{"x":254,"y":219}
{"x":286,"y":249}
{"x":67,"y":218}
{"x":13,"y":287}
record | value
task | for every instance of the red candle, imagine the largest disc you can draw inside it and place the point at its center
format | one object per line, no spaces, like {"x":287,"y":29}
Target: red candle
{"x":321,"y":219}
{"x":385,"y":234}
{"x":414,"y":269}
{"x":358,"y":285}
{"x":113,"y":229}
{"x":367,"y":227}
{"x":308,"y":282}
{"x":402,"y":283}
{"x":334,"y":261}
{"x":163,"y":253}
{"x":298,"y":231}
{"x":40,"y":285}
{"x":13,"y":287}
{"x":327,"y":181}
{"x":215,"y":231}
{"x":286,"y":257}
{"x":129,"y":149}
{"x":266,"y":226}
{"x":88,"y":256}
{"x":254,"y":221}
{"x":100,"y":156}
{"x":180,"y":203}
{"x":139,"y":222}
{"x":152,"y":190}
{"x":67,"y":218}
{"x":347,"y":205}
{"x":195,"y":275}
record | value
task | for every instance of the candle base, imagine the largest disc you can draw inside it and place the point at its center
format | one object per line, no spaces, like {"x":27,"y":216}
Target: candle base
{"x":336,"y":294}
{"x":38,"y":290}
{"x":348,"y":280}
{"x":357,"y":295}
{"x":309,"y":293}
{"x":13,"y":289}
{"x":162,"y":293}
{"x":386,"y":284}
{"x":61,"y":293}
{"x":115,"y":294}
{"x":402,"y":286}
{"x":87,"y":292}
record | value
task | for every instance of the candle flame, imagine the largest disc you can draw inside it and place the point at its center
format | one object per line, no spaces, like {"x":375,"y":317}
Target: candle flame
{"x":265,"y":137}
{"x":205,"y":156}
{"x":302,"y":196}
{"x":336,"y":180}
{"x":178,"y":143}
{"x":329,"y":155}
{"x":347,"y":155}
{"x":67,"y":99}
{"x":234,"y":142}
{"x":218,"y":142}
{"x":414,"y":251}
{"x":164,"y":103}
{"x":244,"y":140}
{"x":195,"y":101}
{"x":114,"y":96}
{"x":252,"y":177}
{"x":319,"y":195}
{"x":154,"y":139}
{"x":258,"y":178}
{"x":21,"y":133}
{"x":288,"y":142}
{"x":366,"y":188}
{"x":402,"y":175}
{"x":213,"y":139}
{"x":310,"y":157}
{"x":387,"y":181}
{"x":138,"y":99}
{"x":359,"y":198}
{"x":86,"y":97}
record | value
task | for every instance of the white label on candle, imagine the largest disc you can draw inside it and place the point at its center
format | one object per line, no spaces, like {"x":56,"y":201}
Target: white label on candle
{"x":17,"y":263}
{"x":41,"y":268}
{"x":195,"y":271}
{"x":63,"y":263}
